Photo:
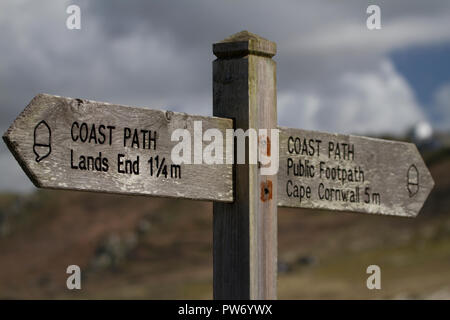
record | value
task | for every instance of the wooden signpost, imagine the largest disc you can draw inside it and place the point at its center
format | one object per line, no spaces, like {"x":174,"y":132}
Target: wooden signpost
{"x":245,"y":231}
{"x":76,"y":144}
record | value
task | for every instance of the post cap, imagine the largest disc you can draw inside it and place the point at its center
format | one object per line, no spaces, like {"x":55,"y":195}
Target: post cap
{"x":244,"y":43}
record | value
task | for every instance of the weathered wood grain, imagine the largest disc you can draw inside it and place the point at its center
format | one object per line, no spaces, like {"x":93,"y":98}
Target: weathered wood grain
{"x":245,"y":232}
{"x":198,"y":181}
{"x":390,"y":171}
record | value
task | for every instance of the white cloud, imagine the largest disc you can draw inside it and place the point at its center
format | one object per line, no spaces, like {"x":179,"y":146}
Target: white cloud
{"x":346,"y":35}
{"x":372,"y":102}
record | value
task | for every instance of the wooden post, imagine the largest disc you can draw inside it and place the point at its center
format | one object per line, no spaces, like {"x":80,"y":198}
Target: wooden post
{"x":245,"y":231}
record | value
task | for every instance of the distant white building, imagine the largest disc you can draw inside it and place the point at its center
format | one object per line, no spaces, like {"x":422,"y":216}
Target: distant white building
{"x":423,"y":135}
{"x":422,"y":131}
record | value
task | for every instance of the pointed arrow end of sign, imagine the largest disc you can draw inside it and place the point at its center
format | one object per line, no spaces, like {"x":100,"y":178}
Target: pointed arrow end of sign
{"x":13,"y":147}
{"x":15,"y":133}
{"x":419,"y":182}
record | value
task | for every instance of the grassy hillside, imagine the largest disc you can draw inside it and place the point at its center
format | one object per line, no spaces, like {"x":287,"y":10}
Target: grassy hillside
{"x":150,"y":248}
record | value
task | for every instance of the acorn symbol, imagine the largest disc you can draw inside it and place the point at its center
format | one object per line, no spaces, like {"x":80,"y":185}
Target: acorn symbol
{"x":412,"y":183}
{"x":42,"y":141}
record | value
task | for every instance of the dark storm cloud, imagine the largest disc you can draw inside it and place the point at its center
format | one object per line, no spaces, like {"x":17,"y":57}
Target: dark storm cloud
{"x":191,"y":26}
{"x":158,"y":54}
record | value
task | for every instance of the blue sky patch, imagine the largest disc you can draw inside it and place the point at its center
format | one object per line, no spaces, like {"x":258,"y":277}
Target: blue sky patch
{"x":425,"y":68}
